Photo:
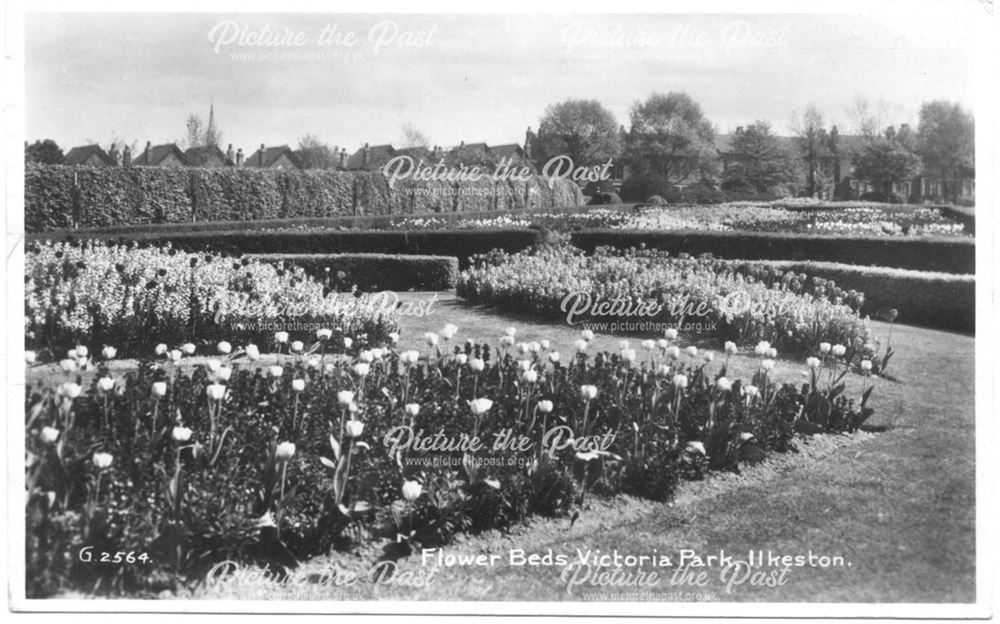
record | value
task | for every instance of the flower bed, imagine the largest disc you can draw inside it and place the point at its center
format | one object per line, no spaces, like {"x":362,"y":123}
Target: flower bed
{"x":93,"y":294}
{"x":173,"y":472}
{"x":652,"y":287}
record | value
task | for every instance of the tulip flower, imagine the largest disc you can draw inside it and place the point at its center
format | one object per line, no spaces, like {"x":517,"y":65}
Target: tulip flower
{"x":545,"y":407}
{"x":181,"y":434}
{"x":523,"y":348}
{"x":431,"y":339}
{"x":174,"y":355}
{"x":412,"y":491}
{"x":673,"y":353}
{"x":48,"y":435}
{"x":281,"y":337}
{"x":510,"y":331}
{"x":160,"y":349}
{"x":82,"y":351}
{"x":751,"y":390}
{"x":588,"y":392}
{"x":106,"y":384}
{"x":581,"y":345}
{"x":213,"y":366}
{"x":772,"y":353}
{"x":629,"y":355}
{"x":648,"y":345}
{"x":324,"y":334}
{"x":30,"y":357}
{"x":409,"y":357}
{"x":188,"y":348}
{"x":477,"y":364}
{"x":275,"y":370}
{"x":554,"y":356}
{"x":298,"y":385}
{"x":767,"y":364}
{"x":507,"y":341}
{"x":813,"y":362}
{"x":253,"y":353}
{"x":724,"y":384}
{"x":824,"y":347}
{"x":524,"y":365}
{"x":354,"y":428}
{"x":670,"y":334}
{"x":296,"y":346}
{"x":394,"y":337}
{"x":680,"y":381}
{"x":480,"y":406}
{"x":284,"y":451}
{"x":461,"y":359}
{"x":731,"y":348}
{"x":412,"y":409}
{"x":761,"y":348}
{"x":662,"y":344}
{"x":663,"y":370}
{"x":545,"y":344}
{"x":534,"y":347}
{"x":691,"y":351}
{"x":348,"y":342}
{"x":103,"y":460}
{"x":746,"y":436}
{"x":361,"y":369}
{"x":70,"y":390}
{"x":529,"y":376}
{"x":696,"y":447}
{"x":448,"y":331}
{"x":224,"y":373}
{"x":709,"y":356}
{"x":159,"y":389}
{"x":345,"y":397}
{"x":367,"y":356}
{"x":838,"y":350}
{"x":866,"y":365}
{"x":587,"y":335}
{"x":68,"y":366}
{"x":71,"y":354}
{"x":224,"y":347}
{"x":215,"y":391}
{"x":109,"y":353}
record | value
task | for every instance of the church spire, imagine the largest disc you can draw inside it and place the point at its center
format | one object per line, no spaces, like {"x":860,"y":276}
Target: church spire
{"x":211,"y":134}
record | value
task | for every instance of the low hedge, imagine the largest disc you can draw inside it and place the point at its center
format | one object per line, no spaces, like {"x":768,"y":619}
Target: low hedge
{"x":373,"y":272}
{"x":57,"y":196}
{"x":936,"y":300}
{"x":946,"y":255}
{"x":461,"y":244}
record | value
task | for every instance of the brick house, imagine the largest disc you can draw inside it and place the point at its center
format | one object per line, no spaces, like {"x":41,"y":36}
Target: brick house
{"x":89,"y":156}
{"x":209,"y":156}
{"x":166,"y":155}
{"x":280,"y":157}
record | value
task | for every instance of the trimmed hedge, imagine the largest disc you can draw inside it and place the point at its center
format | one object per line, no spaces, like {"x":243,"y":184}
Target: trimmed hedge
{"x":461,"y":244}
{"x":373,"y":272}
{"x":57,"y":197}
{"x":937,"y":300}
{"x":947,"y":255}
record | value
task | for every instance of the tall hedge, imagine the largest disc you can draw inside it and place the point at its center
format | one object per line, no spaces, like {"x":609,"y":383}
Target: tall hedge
{"x":947,"y":255}
{"x":59,"y":197}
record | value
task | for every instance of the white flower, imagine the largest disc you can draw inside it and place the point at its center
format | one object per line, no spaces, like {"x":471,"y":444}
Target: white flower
{"x":412,"y":491}
{"x":175,"y":355}
{"x":82,"y":351}
{"x":648,"y":345}
{"x":838,"y":350}
{"x":581,"y":345}
{"x":354,"y":428}
{"x":529,"y":376}
{"x":181,"y":434}
{"x":448,"y":331}
{"x":692,"y":351}
{"x":761,"y":348}
{"x":588,"y":392}
{"x":461,"y":359}
{"x":670,"y":334}
{"x":523,"y":347}
{"x":431,"y":339}
{"x":298,"y":385}
{"x":554,"y":356}
{"x":772,"y":353}
{"x":281,"y":337}
{"x":103,"y":460}
{"x":30,"y":357}
{"x":662,"y":343}
{"x":813,"y":362}
{"x":506,"y":340}
{"x":546,"y":344}
{"x":284,"y":451}
{"x":67,"y":365}
{"x":160,"y":349}
{"x":324,"y":333}
{"x":767,"y":364}
{"x":296,"y":346}
{"x":673,"y":353}
{"x":696,"y":447}
{"x":367,"y":356}
{"x":109,"y":353}
{"x":348,"y":342}
{"x":587,"y":335}
{"x":224,"y":373}
{"x":409,"y":357}
{"x":159,"y":389}
{"x":524,"y":365}
{"x":215,"y":391}
{"x":480,"y":406}
{"x":746,"y":436}
{"x":345,"y":397}
{"x":709,"y":356}
{"x":48,"y":435}
{"x":824,"y":347}
{"x":724,"y":384}
{"x":751,"y":390}
{"x":361,"y":369}
{"x":412,"y":409}
{"x":187,"y":348}
{"x":629,"y":355}
{"x":622,"y":345}
{"x":394,"y":337}
{"x":70,"y":390}
{"x":213,"y":365}
{"x":545,"y":406}
{"x":275,"y":371}
{"x":510,"y":331}
{"x":106,"y":384}
{"x":731,"y":348}
{"x":534,"y":347}
{"x":866,"y":365}
{"x":680,"y":381}
{"x":224,"y":347}
{"x":253,"y":353}
{"x":477,"y":365}
{"x":663,"y":370}
{"x":313,"y":363}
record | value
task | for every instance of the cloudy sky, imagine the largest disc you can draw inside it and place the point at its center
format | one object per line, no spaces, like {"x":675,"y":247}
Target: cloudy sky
{"x":95,"y":77}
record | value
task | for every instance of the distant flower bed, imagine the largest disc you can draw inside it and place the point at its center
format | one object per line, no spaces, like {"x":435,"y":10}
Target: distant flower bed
{"x":93,"y":294}
{"x":143,"y":482}
{"x":651,"y":287}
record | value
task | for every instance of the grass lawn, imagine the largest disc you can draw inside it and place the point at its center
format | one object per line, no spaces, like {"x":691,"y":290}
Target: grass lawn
{"x":898,"y":506}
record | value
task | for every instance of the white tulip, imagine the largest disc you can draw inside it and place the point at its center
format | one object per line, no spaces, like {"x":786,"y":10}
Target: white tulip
{"x":298,"y":385}
{"x":461,"y":359}
{"x":181,"y":434}
{"x":345,"y":397}
{"x":224,"y":373}
{"x":529,"y":376}
{"x":588,"y":392}
{"x":276,"y":371}
{"x":188,"y":348}
{"x":670,"y":334}
{"x":361,"y":369}
{"x":477,"y":365}
{"x":30,"y":357}
{"x":159,"y":389}
{"x":545,"y":406}
{"x":48,"y":435}
{"x":767,"y":364}
{"x":587,"y":335}
{"x":106,"y":384}
{"x":480,"y":406}
{"x":838,"y":350}
{"x":297,"y":346}
{"x":215,"y":391}
{"x":412,"y":491}
{"x":284,"y":451}
{"x":680,"y":381}
{"x":160,"y":349}
{"x":724,"y":384}
{"x":324,"y":334}
{"x":253,"y":353}
{"x":448,"y":331}
{"x":103,"y":460}
{"x":224,"y":347}
{"x":354,"y":428}
{"x":412,"y":409}
{"x":824,"y":347}
{"x":281,"y":337}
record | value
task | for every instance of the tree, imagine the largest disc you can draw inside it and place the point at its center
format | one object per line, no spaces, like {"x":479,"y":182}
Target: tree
{"x":814,"y":146}
{"x":888,"y":159}
{"x":581,"y":129}
{"x":760,"y":164}
{"x":946,"y":142}
{"x":195,"y":138}
{"x":670,"y":137}
{"x":412,"y":137}
{"x":46,"y":152}
{"x":314,"y":154}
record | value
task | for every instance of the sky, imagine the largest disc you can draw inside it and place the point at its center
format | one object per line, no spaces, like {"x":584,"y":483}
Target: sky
{"x":351,"y":78}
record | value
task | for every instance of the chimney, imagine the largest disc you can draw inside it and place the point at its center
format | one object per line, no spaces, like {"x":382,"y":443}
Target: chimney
{"x":229,"y":152}
{"x":364,"y":156}
{"x":343,"y":158}
{"x":239,"y":157}
{"x":260,"y":156}
{"x":147,"y":155}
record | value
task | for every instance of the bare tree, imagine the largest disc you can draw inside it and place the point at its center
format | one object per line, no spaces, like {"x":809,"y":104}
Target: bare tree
{"x":412,"y":137}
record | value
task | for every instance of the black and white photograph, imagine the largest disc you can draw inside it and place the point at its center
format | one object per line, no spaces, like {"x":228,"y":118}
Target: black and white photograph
{"x":591,"y":311}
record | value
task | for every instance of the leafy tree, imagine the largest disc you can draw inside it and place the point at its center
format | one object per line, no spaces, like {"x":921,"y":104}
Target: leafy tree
{"x":195,"y":136}
{"x":412,"y":137}
{"x":946,"y":141}
{"x":888,"y":159}
{"x":46,"y":152}
{"x":581,"y":129}
{"x":813,"y":142}
{"x":760,"y":164}
{"x":670,"y":137}
{"x":314,"y":154}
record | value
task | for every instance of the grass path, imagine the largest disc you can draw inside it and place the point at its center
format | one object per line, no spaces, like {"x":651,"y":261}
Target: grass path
{"x":898,"y":506}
